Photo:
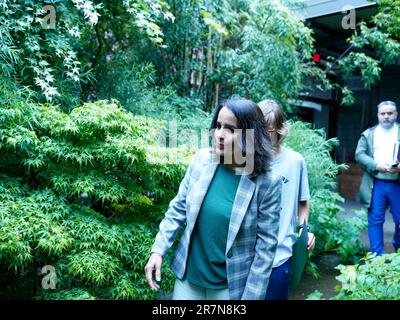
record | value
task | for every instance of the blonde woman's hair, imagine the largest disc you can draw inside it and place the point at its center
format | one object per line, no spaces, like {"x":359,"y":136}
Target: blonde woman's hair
{"x":274,"y":117}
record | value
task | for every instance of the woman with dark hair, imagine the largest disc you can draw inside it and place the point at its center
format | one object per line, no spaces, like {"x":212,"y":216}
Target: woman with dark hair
{"x":254,"y":143}
{"x":230,"y":204}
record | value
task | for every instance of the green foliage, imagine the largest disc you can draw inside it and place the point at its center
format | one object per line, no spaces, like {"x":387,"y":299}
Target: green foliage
{"x":388,"y":17}
{"x":359,"y":62}
{"x":93,"y":266}
{"x":315,"y":295}
{"x":83,"y":192}
{"x":257,"y":49}
{"x":42,"y":53}
{"x":243,"y":47}
{"x":348,"y":97}
{"x":98,"y":149}
{"x":376,"y":278}
{"x":387,"y":48}
{"x":334,"y":231}
{"x":373,"y":45}
{"x":315,"y":148}
{"x":73,"y":294}
{"x":174,"y":65}
{"x":184,"y":120}
{"x":185,"y":123}
{"x":86,"y":249}
{"x":267,"y":53}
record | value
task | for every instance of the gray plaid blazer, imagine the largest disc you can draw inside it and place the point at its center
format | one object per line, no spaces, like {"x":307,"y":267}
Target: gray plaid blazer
{"x":253,"y":227}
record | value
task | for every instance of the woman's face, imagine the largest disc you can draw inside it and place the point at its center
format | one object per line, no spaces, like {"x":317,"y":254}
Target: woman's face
{"x":226,"y":137}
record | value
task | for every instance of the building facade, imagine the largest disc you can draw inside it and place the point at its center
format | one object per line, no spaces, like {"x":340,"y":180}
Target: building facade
{"x":330,"y":21}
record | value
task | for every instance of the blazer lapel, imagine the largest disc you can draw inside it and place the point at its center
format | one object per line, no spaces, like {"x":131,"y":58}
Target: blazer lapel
{"x":201,"y":190}
{"x":242,"y":200}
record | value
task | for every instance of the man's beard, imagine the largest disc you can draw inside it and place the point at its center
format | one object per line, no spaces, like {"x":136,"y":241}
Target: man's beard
{"x":387,"y":124}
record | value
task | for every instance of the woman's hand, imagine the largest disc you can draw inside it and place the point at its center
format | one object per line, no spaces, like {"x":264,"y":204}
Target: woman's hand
{"x":154,"y":263}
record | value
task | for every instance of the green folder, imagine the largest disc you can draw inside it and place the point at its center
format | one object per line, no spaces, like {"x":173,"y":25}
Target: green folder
{"x":299,"y":257}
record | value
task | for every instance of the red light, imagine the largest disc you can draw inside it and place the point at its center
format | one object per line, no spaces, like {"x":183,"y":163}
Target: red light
{"x":316,"y":57}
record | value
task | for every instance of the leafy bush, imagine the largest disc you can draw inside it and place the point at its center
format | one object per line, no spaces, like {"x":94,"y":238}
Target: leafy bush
{"x":73,"y":294}
{"x":137,"y":92}
{"x":267,"y":53}
{"x":185,"y":123}
{"x":333,"y":230}
{"x":377,"y":278}
{"x":82,"y":192}
{"x":40,"y":49}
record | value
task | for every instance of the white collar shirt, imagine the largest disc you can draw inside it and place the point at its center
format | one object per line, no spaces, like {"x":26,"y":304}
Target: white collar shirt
{"x":385,"y":144}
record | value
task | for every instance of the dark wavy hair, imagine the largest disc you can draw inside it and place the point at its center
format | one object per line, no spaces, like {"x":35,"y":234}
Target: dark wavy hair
{"x":249,"y":116}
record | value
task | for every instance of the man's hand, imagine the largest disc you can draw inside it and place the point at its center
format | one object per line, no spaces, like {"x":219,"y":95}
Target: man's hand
{"x":311,"y":241}
{"x":395,"y":169}
{"x":383,"y":168}
{"x":154,"y":264}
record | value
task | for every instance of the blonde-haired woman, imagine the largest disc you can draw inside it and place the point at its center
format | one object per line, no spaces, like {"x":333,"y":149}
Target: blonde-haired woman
{"x":292,"y":169}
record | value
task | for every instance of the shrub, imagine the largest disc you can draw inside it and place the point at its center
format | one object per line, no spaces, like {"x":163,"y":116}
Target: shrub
{"x":55,"y":58}
{"x":334,"y":231}
{"x":138,"y":93}
{"x":376,"y":278}
{"x":82,"y":192}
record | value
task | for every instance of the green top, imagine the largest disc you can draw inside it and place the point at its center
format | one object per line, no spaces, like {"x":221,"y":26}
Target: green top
{"x":206,"y":265}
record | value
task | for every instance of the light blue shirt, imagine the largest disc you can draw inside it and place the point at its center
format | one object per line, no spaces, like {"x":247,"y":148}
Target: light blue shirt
{"x":292,"y":169}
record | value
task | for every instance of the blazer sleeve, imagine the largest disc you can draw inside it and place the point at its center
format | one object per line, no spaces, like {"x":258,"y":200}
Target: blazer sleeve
{"x":266,"y":243}
{"x":362,"y":156}
{"x":175,"y":217}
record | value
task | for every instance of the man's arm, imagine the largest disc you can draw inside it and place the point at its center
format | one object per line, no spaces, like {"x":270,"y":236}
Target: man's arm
{"x":304,"y":211}
{"x":362,"y":156}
